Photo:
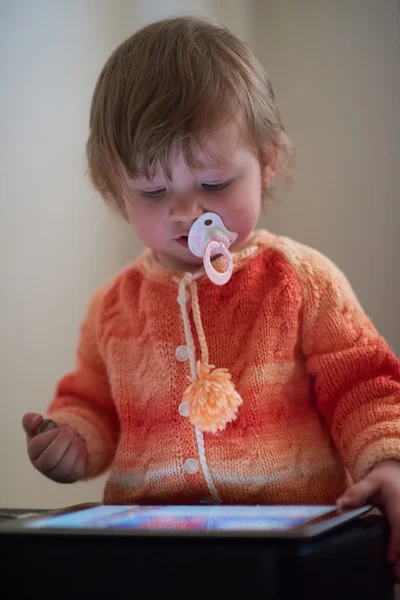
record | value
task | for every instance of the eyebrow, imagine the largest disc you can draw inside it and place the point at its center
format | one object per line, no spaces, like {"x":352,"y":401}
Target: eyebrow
{"x":201,"y":165}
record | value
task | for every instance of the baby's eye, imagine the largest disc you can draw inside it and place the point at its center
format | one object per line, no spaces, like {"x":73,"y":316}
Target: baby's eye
{"x":215,"y":186}
{"x":153,"y":193}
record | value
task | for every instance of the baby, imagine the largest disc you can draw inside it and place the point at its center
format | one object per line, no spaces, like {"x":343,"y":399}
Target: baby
{"x":226,"y":364}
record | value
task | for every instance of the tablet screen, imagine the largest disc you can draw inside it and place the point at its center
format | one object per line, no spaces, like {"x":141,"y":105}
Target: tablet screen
{"x":186,"y":518}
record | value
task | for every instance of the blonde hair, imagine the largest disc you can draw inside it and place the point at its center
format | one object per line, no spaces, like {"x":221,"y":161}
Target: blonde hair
{"x":175,"y":81}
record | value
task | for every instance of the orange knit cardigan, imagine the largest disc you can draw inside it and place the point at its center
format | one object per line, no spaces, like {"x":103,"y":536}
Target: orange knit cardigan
{"x":319,"y":388}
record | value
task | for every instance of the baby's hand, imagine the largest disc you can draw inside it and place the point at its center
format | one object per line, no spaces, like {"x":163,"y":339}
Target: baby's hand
{"x":58,"y":453}
{"x":382,"y":487}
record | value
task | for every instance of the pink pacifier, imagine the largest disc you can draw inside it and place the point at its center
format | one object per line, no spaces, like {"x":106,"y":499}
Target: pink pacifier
{"x":208,"y":236}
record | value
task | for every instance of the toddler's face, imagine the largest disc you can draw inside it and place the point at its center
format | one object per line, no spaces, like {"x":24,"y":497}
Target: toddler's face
{"x":227,"y":180}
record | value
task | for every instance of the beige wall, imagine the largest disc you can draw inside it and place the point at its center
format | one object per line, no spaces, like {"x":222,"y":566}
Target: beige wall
{"x":337,"y":79}
{"x":336,"y":71}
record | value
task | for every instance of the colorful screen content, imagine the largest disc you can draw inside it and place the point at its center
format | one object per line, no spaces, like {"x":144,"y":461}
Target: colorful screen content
{"x":186,"y":518}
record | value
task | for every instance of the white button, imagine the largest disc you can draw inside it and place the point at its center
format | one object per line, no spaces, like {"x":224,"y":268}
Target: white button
{"x":181,"y":353}
{"x":191,"y":466}
{"x":184,"y":409}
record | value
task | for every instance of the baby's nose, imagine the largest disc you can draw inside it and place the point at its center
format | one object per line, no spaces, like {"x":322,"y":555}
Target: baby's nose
{"x":186,"y":211}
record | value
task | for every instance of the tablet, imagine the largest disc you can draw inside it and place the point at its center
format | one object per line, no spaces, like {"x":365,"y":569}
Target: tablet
{"x":203,"y":520}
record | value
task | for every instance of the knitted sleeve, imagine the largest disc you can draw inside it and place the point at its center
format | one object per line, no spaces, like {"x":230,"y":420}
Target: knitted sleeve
{"x":357,"y":376}
{"x":83,"y":398}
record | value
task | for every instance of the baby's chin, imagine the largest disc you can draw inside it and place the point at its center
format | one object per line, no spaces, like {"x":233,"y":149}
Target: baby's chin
{"x":189,"y":262}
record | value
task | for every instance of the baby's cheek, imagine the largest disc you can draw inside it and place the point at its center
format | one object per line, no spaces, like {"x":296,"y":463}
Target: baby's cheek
{"x":146,"y":225}
{"x":246,"y":220}
{"x":245,"y":205}
{"x":154,"y":234}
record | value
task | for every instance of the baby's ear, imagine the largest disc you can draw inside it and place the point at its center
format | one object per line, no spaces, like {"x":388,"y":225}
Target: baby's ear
{"x":270,"y":166}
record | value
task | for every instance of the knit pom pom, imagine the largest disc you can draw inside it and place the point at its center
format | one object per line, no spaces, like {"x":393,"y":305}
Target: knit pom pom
{"x":212,"y":399}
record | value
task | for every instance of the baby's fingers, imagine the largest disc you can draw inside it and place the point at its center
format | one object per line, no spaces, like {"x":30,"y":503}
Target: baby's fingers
{"x":40,"y":442}
{"x":30,"y":423}
{"x":50,"y":448}
{"x":65,"y":465}
{"x":72,"y":465}
{"x":78,"y":470}
{"x":392,"y":511}
{"x":359,"y":493}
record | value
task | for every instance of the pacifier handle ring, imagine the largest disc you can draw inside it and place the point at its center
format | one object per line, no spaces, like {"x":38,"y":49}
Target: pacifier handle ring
{"x":215,"y":276}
